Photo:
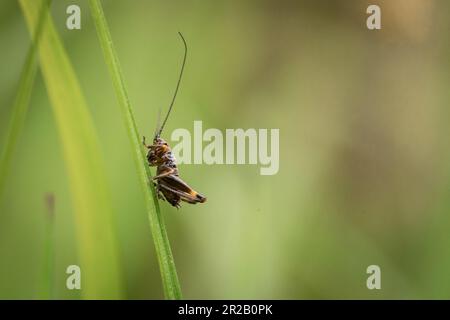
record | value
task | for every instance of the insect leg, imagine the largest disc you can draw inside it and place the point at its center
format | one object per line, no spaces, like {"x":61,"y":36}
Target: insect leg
{"x":143,"y":142}
{"x":158,"y":191}
{"x":164,"y":174}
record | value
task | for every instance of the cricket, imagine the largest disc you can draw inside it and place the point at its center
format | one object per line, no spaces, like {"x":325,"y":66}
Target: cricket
{"x":169,"y":185}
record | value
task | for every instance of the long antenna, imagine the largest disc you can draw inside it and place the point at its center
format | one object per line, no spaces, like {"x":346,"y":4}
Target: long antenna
{"x":158,"y":121}
{"x":158,"y":133}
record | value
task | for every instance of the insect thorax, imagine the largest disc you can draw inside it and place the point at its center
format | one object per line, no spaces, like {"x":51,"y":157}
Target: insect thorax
{"x":160,"y":154}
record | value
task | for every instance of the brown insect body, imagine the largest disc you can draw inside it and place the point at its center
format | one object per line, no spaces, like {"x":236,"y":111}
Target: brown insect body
{"x":169,"y":185}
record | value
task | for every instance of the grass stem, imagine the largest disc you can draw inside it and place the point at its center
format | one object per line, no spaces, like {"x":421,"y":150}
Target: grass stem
{"x":49,"y":249}
{"x":22,"y":100}
{"x":168,"y":271}
{"x":96,"y":241}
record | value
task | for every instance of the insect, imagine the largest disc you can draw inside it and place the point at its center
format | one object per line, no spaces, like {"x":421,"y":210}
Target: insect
{"x":169,"y":185}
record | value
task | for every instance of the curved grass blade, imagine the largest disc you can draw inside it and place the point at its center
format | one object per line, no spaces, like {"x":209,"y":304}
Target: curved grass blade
{"x":84,"y":164}
{"x":168,"y":271}
{"x":22,"y":100}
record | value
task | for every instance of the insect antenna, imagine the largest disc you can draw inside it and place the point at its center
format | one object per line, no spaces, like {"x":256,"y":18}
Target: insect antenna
{"x":158,"y":122}
{"x":158,"y":132}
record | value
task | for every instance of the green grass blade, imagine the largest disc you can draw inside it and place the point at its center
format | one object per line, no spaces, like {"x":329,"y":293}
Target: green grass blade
{"x":22,"y":100}
{"x":47,"y":285}
{"x":169,"y":276}
{"x":84,"y":164}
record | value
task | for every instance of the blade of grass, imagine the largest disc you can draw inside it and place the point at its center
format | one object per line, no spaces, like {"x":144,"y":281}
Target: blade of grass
{"x":84,"y":164}
{"x":168,"y":271}
{"x":46,"y":291}
{"x":22,"y":100}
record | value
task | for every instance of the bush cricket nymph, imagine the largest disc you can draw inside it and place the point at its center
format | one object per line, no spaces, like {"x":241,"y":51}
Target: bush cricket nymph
{"x":169,"y":186}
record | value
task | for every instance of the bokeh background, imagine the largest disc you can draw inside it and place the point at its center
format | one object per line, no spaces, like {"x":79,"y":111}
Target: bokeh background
{"x":364,"y":150}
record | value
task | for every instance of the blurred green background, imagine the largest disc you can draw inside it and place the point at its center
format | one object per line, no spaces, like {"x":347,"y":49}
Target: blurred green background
{"x":364,"y":150}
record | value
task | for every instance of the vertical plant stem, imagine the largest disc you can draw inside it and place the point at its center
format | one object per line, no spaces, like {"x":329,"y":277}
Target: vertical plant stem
{"x":168,"y":271}
{"x":49,"y":249}
{"x":96,"y":242}
{"x":22,"y":100}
